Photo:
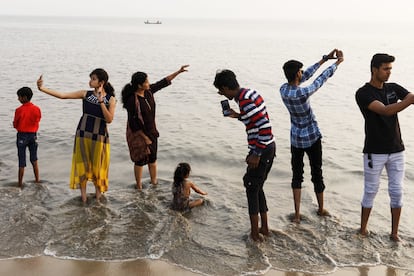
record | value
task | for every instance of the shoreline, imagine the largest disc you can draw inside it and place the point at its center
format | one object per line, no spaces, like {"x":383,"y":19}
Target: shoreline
{"x":48,"y":266}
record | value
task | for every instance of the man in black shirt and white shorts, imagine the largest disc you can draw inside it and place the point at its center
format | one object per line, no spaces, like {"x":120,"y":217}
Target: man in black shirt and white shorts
{"x":380,"y":103}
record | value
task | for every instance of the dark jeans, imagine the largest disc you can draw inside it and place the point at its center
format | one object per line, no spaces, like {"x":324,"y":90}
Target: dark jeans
{"x":315,"y":159}
{"x":29,"y":140}
{"x":254,"y":180}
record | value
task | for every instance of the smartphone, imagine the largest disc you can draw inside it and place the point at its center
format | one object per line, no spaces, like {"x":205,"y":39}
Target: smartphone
{"x":225,"y":106}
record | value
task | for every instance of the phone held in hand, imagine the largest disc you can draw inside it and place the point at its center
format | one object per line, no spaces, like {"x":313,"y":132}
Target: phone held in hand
{"x":225,"y":107}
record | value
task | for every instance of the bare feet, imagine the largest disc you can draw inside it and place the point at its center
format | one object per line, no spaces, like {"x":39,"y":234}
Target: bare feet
{"x":296,"y":219}
{"x":98,"y":195}
{"x":395,"y":238}
{"x":139,"y":187}
{"x":364,"y":232}
{"x":256,"y":237}
{"x":323,"y":213}
{"x":264,"y":231}
{"x":84,"y":200}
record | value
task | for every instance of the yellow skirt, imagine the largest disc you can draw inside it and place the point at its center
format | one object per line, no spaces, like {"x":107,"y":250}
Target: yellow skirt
{"x":90,"y":162}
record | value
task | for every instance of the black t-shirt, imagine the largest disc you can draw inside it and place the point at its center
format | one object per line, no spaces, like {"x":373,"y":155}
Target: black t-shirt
{"x":382,"y":133}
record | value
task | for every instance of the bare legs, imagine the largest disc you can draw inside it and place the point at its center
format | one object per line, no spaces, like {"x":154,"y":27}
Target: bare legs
{"x":196,"y":202}
{"x":138,"y":176}
{"x":84,"y":197}
{"x":21,"y":173}
{"x":35,"y":172}
{"x":254,"y":225}
{"x":153,"y":172}
{"x":264,"y":230}
{"x":321,"y":211}
{"x":296,"y":198}
{"x":152,"y":167}
{"x":83,"y":191}
{"x":365,"y":212}
{"x":395,"y":220}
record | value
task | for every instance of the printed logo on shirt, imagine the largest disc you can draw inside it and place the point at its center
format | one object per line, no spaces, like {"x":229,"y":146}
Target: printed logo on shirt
{"x":391,"y":97}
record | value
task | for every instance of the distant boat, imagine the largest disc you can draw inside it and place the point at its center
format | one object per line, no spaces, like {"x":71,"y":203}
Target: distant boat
{"x":152,"y":22}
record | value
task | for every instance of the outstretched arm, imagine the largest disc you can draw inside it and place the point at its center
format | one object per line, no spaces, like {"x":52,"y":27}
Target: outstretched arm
{"x":71,"y":95}
{"x":176,"y":73}
{"x":197,"y":190}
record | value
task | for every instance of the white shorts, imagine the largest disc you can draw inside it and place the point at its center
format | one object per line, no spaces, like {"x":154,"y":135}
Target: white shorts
{"x":373,"y":165}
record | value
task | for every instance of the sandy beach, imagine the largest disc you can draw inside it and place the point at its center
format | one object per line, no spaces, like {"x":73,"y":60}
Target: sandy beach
{"x":46,"y":266}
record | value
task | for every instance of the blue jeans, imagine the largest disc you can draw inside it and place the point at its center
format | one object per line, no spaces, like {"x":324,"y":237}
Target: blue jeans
{"x":26,"y":139}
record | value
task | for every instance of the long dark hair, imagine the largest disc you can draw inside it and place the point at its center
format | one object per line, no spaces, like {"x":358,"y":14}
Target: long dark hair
{"x":137,"y":79}
{"x":182,"y":170}
{"x":102,"y":75}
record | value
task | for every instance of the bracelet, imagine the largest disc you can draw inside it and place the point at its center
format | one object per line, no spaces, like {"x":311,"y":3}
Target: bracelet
{"x":325,"y":58}
{"x":100,"y":102}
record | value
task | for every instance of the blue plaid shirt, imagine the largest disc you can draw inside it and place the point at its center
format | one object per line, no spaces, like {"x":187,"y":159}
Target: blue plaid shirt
{"x":304,"y":131}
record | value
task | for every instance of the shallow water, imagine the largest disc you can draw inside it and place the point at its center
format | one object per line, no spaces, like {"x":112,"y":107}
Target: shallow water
{"x":49,"y":219}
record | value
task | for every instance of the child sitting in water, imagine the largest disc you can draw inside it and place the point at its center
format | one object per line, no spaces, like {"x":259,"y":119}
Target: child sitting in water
{"x":181,"y":189}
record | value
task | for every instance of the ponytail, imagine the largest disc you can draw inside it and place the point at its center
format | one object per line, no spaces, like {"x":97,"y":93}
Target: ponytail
{"x":126,"y":93}
{"x":137,"y":79}
{"x":109,"y":89}
{"x":182,"y":170}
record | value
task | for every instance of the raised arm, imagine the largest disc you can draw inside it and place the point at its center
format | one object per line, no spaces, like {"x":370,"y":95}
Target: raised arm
{"x":334,"y":54}
{"x":108,"y":112}
{"x":70,"y":95}
{"x":176,"y":73}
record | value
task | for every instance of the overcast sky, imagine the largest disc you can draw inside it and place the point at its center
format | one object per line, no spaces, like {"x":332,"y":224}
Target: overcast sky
{"x":268,"y":9}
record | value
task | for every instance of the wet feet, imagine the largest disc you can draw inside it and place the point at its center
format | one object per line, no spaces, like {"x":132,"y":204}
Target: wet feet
{"x":295,"y":218}
{"x":256,"y":237}
{"x":323,"y":213}
{"x":363,"y":233}
{"x":264,"y":231}
{"x":395,"y":238}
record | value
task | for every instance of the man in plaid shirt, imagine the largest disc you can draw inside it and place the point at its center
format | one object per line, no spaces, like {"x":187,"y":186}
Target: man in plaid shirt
{"x":305,"y":136}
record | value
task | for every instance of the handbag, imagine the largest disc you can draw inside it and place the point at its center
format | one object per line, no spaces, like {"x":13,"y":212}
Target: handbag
{"x":138,"y":149}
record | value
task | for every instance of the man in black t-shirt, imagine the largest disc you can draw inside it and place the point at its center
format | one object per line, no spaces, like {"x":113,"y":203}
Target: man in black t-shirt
{"x":379,"y":103}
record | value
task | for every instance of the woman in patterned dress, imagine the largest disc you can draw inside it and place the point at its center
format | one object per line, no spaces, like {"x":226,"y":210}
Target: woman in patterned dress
{"x":91,"y":150}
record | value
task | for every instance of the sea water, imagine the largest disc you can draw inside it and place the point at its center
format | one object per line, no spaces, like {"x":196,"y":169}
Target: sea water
{"x":49,"y":219}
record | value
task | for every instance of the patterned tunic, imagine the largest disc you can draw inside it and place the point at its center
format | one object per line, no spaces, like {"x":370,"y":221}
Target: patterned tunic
{"x":91,"y":151}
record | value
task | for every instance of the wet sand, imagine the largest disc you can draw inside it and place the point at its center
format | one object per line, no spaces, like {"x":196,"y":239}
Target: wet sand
{"x":49,"y":266}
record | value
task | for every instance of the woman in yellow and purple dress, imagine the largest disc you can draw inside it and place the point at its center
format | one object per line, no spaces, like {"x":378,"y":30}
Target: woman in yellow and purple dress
{"x":91,"y":151}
